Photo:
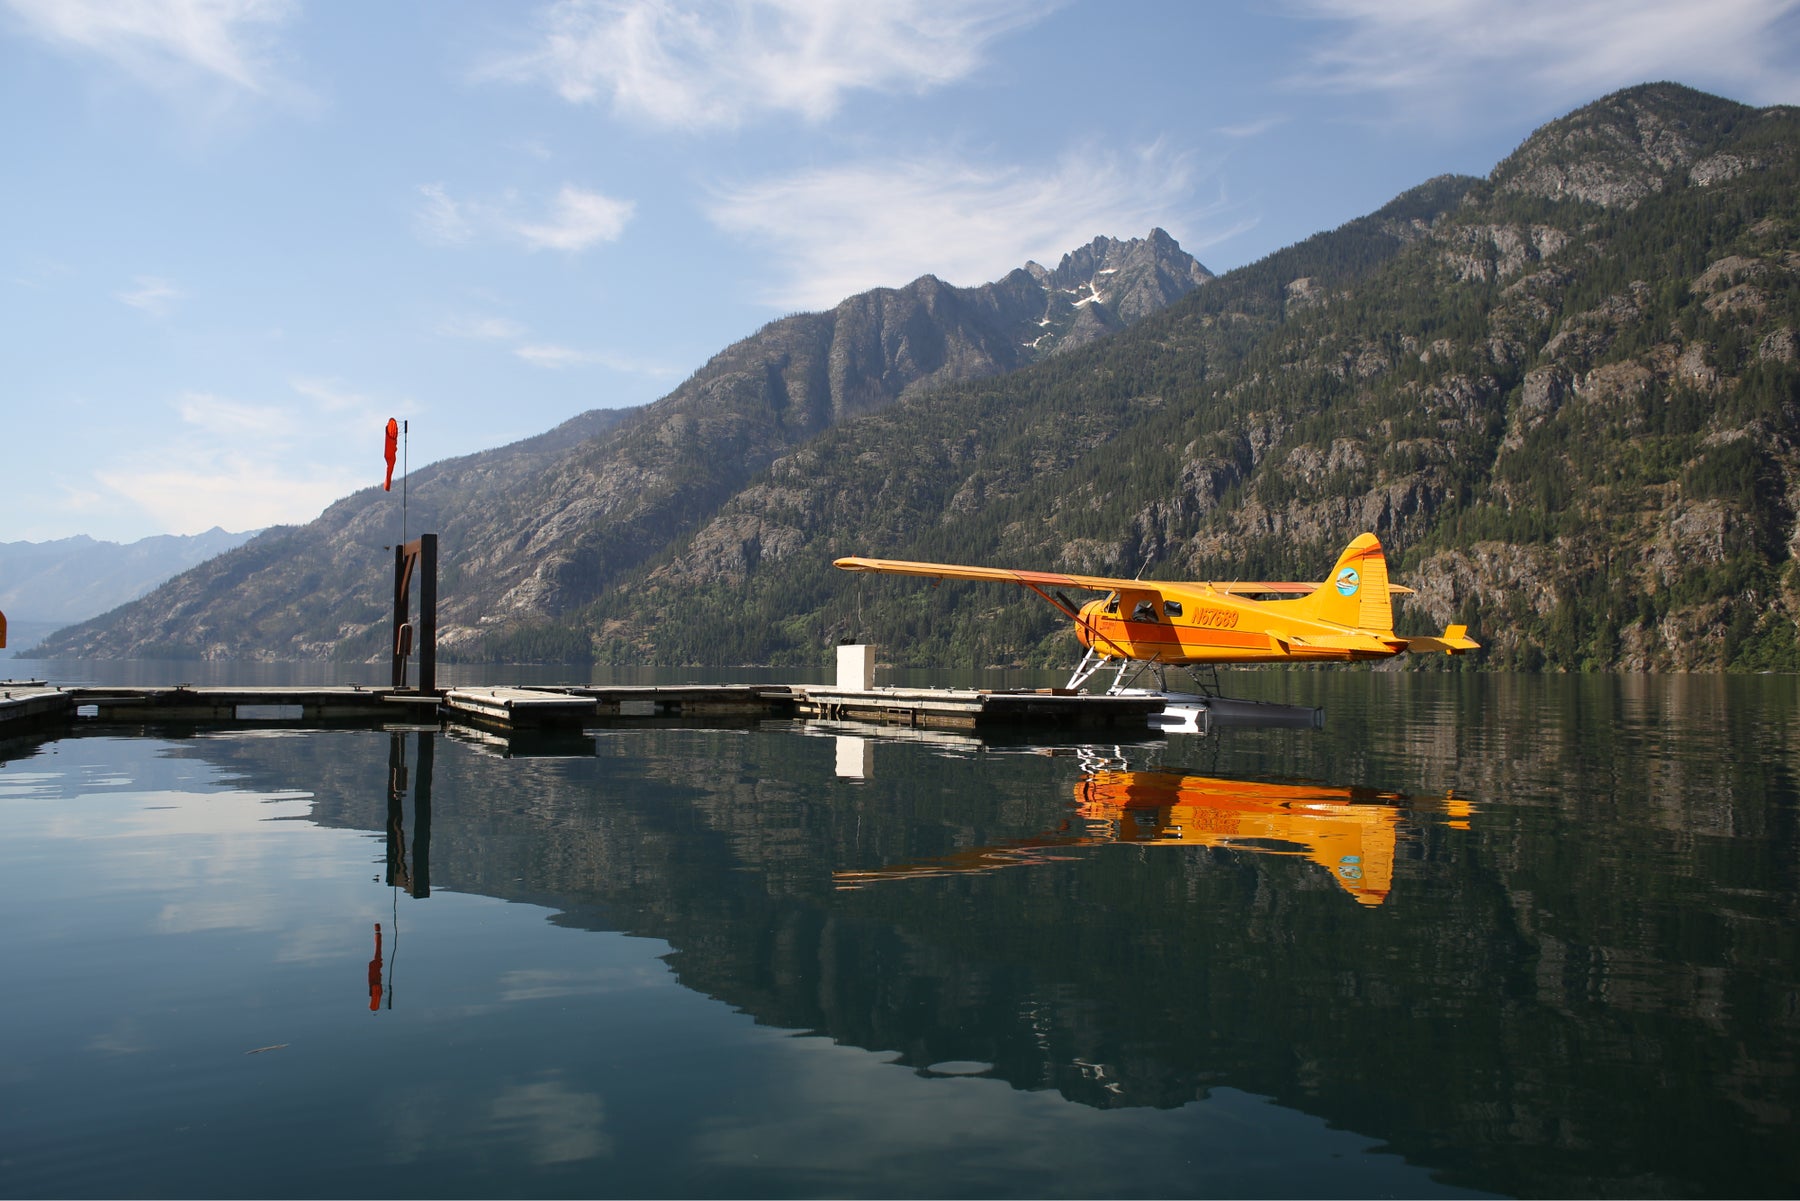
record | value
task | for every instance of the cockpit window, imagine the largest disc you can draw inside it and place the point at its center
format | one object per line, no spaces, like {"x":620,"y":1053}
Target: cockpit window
{"x":1145,"y":611}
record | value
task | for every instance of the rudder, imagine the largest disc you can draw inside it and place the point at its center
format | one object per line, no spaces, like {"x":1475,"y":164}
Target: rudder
{"x":1356,"y":592}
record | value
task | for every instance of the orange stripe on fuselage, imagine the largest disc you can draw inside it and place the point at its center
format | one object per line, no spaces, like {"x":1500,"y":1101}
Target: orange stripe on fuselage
{"x":1213,"y":628}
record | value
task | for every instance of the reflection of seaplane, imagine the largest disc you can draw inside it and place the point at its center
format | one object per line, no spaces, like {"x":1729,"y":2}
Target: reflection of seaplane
{"x":1350,"y":832}
{"x":1160,"y":624}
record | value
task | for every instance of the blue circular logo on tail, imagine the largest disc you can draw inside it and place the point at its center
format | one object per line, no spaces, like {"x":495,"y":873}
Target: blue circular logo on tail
{"x":1348,"y":581}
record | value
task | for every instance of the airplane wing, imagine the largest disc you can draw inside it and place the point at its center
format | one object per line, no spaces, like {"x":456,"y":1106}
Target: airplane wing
{"x":1004,"y":575}
{"x":1058,"y":579}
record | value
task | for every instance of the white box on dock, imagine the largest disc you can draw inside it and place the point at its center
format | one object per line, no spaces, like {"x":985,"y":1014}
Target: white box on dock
{"x":856,"y":667}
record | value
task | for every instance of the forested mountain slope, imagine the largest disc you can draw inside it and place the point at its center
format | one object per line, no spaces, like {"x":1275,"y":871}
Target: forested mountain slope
{"x":1565,"y":397}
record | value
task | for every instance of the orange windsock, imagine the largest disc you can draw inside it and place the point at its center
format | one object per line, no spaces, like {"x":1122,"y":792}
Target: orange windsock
{"x":393,"y":443}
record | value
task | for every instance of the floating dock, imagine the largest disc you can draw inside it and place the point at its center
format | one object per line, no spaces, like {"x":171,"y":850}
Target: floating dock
{"x":561,"y":712}
{"x":575,"y":706}
{"x":184,"y":702}
{"x":973,"y":709}
{"x":32,"y":704}
{"x":505,"y":709}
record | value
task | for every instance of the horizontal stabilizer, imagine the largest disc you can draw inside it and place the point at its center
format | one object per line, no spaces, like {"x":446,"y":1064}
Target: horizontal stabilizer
{"x":1366,"y":643}
{"x":1454,"y":641}
{"x":1253,"y":587}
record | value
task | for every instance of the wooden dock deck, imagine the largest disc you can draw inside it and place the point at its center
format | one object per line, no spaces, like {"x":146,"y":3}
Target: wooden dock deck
{"x":32,"y":704}
{"x":573,"y":706}
{"x":505,"y":708}
{"x":974,"y":708}
{"x":184,"y":702}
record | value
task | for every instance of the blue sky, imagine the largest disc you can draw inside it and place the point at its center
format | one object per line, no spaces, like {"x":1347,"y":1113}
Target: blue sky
{"x":237,"y":235}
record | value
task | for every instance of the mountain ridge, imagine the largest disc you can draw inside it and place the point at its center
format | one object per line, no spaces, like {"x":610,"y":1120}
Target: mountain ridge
{"x":544,"y":524}
{"x":45,"y":586}
{"x":1566,"y":396}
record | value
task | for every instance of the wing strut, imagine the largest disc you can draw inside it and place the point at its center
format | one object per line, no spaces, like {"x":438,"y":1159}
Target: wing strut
{"x":1074,"y":615}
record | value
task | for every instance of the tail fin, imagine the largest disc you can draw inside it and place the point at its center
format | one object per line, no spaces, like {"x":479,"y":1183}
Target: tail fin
{"x":1356,"y":592}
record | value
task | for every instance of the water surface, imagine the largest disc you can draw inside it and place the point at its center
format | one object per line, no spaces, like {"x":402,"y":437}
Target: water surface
{"x":1480,"y":935}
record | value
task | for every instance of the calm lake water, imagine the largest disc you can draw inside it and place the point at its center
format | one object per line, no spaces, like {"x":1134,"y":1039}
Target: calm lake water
{"x":1479,"y":935}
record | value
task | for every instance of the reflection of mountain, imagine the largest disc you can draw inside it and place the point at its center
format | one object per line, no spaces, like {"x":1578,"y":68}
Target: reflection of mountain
{"x":1348,"y":832}
{"x":1528,"y":1014}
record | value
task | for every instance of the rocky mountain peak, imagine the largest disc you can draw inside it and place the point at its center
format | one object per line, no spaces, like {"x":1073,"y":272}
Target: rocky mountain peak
{"x":1622,"y":147}
{"x":1110,"y":283}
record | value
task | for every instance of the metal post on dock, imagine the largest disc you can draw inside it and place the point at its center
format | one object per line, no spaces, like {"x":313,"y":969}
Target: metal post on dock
{"x":402,"y":628}
{"x":420,"y":555}
{"x":428,"y":612}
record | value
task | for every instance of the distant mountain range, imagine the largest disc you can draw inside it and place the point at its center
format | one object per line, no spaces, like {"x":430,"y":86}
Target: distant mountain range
{"x":45,"y":586}
{"x":1566,"y":396}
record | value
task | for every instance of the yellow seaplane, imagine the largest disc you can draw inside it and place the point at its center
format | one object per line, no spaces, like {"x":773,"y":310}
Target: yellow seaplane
{"x":1158,"y":624}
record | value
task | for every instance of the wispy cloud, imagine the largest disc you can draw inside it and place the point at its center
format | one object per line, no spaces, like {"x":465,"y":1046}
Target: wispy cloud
{"x":264,"y":462}
{"x":482,"y":329}
{"x":152,"y":295}
{"x":234,"y":419}
{"x":334,"y":399}
{"x":1554,"y":49}
{"x":718,"y":63}
{"x":441,"y":219}
{"x":545,"y":355}
{"x":553,"y":357}
{"x":841,"y":230}
{"x":187,"y":496}
{"x":549,"y":356}
{"x":1252,"y":129}
{"x":577,"y":219}
{"x":170,"y":43}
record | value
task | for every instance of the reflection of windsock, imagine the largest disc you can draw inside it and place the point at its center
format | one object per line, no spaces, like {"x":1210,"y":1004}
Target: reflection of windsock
{"x":393,"y":445}
{"x":375,"y":973}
